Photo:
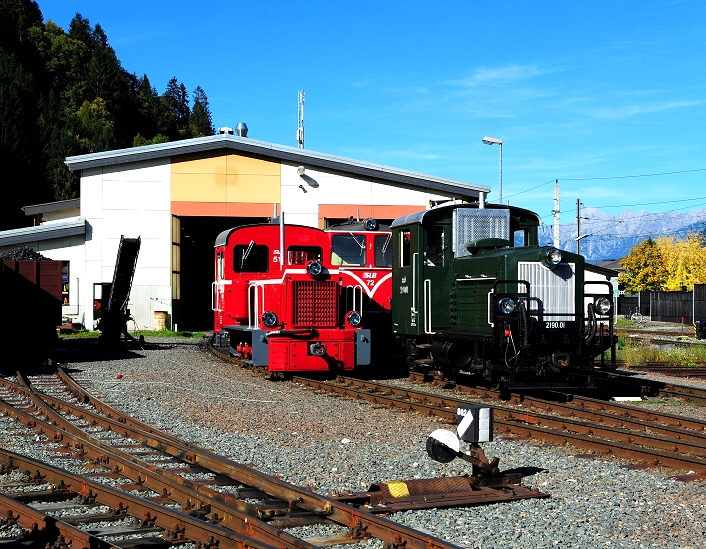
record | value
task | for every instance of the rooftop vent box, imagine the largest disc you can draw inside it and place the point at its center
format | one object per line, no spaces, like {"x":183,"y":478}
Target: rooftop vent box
{"x":225,"y":131}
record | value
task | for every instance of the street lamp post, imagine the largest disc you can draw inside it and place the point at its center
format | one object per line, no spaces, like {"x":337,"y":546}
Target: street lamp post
{"x":492,"y":141}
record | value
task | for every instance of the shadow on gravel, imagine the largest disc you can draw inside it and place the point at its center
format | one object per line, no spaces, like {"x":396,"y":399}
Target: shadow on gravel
{"x":525,"y":471}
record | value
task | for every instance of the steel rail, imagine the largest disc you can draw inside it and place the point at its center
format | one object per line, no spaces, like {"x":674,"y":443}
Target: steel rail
{"x":671,"y":390}
{"x":556,"y":429}
{"x":223,"y":507}
{"x":362,"y":522}
{"x":47,"y":529}
{"x":164,"y":517}
{"x":589,"y":409}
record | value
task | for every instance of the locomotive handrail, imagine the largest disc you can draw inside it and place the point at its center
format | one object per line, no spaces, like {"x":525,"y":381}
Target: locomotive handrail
{"x":286,"y":333}
{"x":415,"y":260}
{"x":353,"y":288}
{"x":494,"y":287}
{"x":518,"y":281}
{"x":427,"y":307}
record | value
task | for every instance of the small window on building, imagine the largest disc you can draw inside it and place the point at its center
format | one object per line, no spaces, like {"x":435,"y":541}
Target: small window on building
{"x":383,"y":250}
{"x":250,"y":258}
{"x":348,"y":250}
{"x":405,"y":248}
{"x":301,"y":255}
{"x":65,"y":282}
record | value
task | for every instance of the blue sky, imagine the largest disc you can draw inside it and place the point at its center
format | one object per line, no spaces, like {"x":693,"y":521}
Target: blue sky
{"x":589,"y":93}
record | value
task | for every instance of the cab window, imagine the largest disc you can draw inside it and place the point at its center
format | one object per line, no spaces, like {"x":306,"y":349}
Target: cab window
{"x":250,"y":258}
{"x":301,"y":255}
{"x":348,"y":250}
{"x":383,"y":250}
{"x":405,"y":248}
{"x":519,"y":238}
{"x":435,"y":247}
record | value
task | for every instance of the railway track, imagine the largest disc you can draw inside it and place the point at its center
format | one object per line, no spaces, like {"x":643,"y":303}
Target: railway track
{"x":649,"y":387}
{"x":186,"y":492}
{"x":624,"y":431}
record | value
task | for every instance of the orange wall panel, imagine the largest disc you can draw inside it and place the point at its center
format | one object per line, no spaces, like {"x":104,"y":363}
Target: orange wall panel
{"x":252,"y":188}
{"x":224,"y":178}
{"x":221,"y":209}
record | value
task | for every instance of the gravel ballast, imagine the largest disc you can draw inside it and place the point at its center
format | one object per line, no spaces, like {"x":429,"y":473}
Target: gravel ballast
{"x":336,"y":444}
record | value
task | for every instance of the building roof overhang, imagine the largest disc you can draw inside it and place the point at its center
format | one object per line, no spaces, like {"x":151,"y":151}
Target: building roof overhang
{"x":47,"y":231}
{"x":291,"y":154}
{"x":52,"y":206}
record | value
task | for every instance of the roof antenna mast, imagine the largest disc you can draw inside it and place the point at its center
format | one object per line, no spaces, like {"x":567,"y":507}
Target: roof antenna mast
{"x":300,"y":117}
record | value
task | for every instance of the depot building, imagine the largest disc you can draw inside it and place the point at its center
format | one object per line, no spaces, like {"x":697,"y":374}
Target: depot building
{"x":177,"y":197}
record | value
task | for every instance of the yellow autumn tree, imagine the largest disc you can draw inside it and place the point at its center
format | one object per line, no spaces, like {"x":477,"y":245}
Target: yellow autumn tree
{"x":685,"y":261}
{"x":667,"y":264}
{"x":644,"y":267}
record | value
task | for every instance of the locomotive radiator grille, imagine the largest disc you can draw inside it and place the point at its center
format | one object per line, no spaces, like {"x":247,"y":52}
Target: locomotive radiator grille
{"x":552,"y":292}
{"x":470,"y":224}
{"x":314,"y":303}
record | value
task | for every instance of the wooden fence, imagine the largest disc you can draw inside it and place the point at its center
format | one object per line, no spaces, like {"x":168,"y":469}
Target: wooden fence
{"x":667,"y":306}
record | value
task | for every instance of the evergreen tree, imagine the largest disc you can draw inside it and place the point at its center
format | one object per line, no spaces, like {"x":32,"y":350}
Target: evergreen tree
{"x":201,"y":115}
{"x":64,"y":93}
{"x":176,"y":99}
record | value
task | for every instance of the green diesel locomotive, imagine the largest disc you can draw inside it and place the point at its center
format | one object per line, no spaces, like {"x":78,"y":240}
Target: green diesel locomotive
{"x":473,"y":291}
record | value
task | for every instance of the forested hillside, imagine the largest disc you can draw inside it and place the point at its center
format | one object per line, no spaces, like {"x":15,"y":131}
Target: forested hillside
{"x":65,"y":92}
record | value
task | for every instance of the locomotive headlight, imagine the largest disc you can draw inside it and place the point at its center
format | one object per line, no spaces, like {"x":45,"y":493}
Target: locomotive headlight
{"x":553,"y":257}
{"x":269,"y":319}
{"x":370,"y":224}
{"x":314,"y":268}
{"x":506,"y":305}
{"x":354,"y":318}
{"x":602,"y":305}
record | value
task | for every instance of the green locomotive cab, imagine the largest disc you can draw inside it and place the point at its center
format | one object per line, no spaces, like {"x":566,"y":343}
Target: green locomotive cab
{"x":473,"y":291}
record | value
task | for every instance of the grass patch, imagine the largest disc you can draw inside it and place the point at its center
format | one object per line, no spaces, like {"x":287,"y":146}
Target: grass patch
{"x":624,"y":323}
{"x":89,"y":334}
{"x":166,"y":333}
{"x":685,"y":357}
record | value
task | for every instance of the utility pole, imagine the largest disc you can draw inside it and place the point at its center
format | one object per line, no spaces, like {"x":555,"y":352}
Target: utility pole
{"x":300,"y":119}
{"x":578,"y":226}
{"x":555,"y":211}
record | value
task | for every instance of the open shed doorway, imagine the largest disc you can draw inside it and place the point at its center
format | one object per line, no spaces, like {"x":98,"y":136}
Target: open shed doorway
{"x":193,"y":270}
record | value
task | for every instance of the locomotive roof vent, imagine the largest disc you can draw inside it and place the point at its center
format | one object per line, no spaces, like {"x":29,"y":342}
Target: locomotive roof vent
{"x":241,"y":130}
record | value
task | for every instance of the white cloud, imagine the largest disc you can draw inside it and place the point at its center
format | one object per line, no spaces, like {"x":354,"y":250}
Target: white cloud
{"x":508,"y":73}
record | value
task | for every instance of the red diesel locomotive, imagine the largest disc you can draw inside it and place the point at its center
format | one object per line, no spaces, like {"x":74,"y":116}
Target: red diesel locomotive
{"x":298,"y":299}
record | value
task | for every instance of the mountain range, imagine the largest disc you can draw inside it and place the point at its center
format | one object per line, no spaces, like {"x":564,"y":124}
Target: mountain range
{"x":611,"y":236}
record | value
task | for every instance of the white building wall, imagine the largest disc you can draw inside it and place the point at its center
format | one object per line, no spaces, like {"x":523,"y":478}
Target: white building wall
{"x":323,"y":187}
{"x":299,"y":207}
{"x":129,"y":200}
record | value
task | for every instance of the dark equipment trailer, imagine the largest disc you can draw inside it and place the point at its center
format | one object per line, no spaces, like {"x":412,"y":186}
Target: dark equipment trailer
{"x":30,"y":298}
{"x":114,"y":312}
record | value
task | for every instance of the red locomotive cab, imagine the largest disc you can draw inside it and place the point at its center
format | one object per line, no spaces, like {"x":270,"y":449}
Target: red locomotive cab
{"x":279,"y":294}
{"x":362,"y":252}
{"x":238,"y":309}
